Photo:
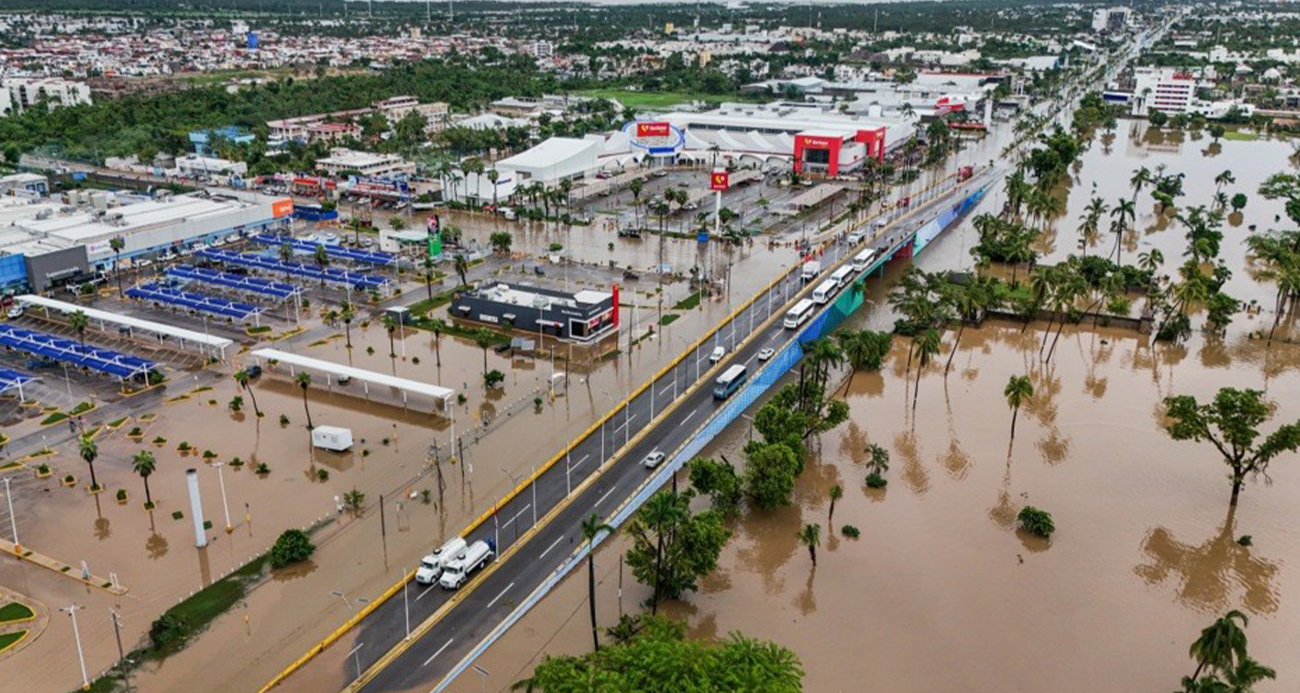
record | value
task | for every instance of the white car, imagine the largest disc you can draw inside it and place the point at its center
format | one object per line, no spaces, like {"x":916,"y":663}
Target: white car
{"x":653,"y":459}
{"x":718,"y":353}
{"x":766,"y":354}
{"x":14,"y":313}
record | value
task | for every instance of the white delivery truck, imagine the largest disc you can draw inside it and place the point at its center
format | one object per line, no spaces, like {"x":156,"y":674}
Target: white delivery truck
{"x":331,"y":438}
{"x":456,"y":571}
{"x":431,"y":566}
{"x":811,"y":269}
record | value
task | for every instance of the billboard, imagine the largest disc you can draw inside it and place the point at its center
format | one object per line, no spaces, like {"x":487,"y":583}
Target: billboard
{"x":433,"y":238}
{"x":282,"y":207}
{"x":653,"y":129}
{"x":719,"y":180}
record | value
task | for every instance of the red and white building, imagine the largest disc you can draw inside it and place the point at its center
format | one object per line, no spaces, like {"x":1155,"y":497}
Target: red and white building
{"x":755,"y":136}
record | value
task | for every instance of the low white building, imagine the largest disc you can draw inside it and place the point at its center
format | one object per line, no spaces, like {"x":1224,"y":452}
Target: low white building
{"x":52,"y":92}
{"x":555,"y":160}
{"x":344,"y":161}
{"x":202,"y":167}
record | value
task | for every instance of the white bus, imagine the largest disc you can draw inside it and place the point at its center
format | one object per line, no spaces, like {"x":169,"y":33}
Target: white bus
{"x":825,"y":292}
{"x":863,"y":259}
{"x":730,"y":381}
{"x":842,"y":276}
{"x":799,"y":314}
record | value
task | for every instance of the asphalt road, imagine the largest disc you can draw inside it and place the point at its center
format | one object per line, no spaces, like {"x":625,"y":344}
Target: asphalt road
{"x":431,"y":657}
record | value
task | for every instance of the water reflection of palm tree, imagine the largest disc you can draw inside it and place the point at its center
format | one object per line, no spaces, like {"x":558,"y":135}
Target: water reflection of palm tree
{"x":1207,"y":572}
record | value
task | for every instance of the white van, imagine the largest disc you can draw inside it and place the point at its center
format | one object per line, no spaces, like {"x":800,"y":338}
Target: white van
{"x":717,"y":354}
{"x":811,"y":269}
{"x":431,"y":566}
{"x":863,"y":259}
{"x":457,"y":570}
{"x":825,"y":292}
{"x":857,"y":237}
{"x":842,"y":276}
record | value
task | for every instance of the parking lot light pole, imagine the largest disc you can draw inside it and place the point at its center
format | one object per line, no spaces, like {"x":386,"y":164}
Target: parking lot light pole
{"x":71,"y":610}
{"x":13,"y":522}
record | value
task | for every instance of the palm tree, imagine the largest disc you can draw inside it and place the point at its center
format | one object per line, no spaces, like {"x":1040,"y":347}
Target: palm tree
{"x":1225,"y":178}
{"x":1220,"y":643}
{"x":1091,"y":219}
{"x":1247,"y":673}
{"x":1019,"y":389}
{"x":348,"y":314}
{"x":438,"y":325}
{"x":390,"y":326}
{"x":636,"y":186}
{"x":836,"y":492}
{"x":241,"y":377}
{"x":1123,"y":213}
{"x":89,"y":451}
{"x":79,"y":322}
{"x":927,"y":347}
{"x":811,"y":536}
{"x":1150,"y":261}
{"x":462,"y":267}
{"x":493,"y":176}
{"x":117,"y":243}
{"x":968,"y":301}
{"x":592,"y":527}
{"x":304,"y":382}
{"x":144,"y":464}
{"x":484,"y":338}
{"x":1141,"y":178}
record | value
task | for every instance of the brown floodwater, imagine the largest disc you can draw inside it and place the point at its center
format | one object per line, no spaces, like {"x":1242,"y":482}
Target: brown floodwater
{"x":942,"y":591}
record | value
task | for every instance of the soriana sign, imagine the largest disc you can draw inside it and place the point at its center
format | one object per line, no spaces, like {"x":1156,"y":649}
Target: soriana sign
{"x":719,"y":180}
{"x":657,"y":129}
{"x":282,"y":208}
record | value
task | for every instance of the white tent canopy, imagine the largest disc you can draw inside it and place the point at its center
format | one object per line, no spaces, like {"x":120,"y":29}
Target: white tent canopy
{"x":204,"y":341}
{"x":331,"y":370}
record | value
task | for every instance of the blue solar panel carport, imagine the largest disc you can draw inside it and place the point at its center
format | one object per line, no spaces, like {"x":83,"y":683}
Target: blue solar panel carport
{"x":235,"y":282}
{"x":203,"y":303}
{"x":329,"y":275}
{"x":369,"y":257}
{"x":10,"y":380}
{"x":72,"y":352}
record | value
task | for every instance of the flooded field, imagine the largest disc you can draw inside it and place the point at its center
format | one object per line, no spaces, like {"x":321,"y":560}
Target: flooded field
{"x":942,"y":591}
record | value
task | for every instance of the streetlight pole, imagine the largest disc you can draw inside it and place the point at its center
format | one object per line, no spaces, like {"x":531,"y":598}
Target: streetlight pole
{"x":406,"y":607}
{"x":71,"y":610}
{"x":221,"y":480}
{"x":117,"y":633}
{"x":13,"y":522}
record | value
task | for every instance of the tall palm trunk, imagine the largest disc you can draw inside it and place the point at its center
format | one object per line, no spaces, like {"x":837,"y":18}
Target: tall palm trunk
{"x":591,"y":599}
{"x":956,"y":342}
{"x":1015,"y":414}
{"x":306,"y":409}
{"x":148,"y":499}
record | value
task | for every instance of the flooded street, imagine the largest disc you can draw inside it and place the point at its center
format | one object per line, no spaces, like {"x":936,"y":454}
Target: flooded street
{"x":942,"y":591}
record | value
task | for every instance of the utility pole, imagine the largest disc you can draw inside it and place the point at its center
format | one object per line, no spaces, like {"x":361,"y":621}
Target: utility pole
{"x":117,"y":633}
{"x":13,"y":522}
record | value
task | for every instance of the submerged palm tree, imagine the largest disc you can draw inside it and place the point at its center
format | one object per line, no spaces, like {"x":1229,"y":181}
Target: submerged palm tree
{"x":811,"y":536}
{"x":144,"y":464}
{"x":304,"y":382}
{"x":89,"y":451}
{"x":927,"y":347}
{"x":1018,"y":391}
{"x":242,"y":377}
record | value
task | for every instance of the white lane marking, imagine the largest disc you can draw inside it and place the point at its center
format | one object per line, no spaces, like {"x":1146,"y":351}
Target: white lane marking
{"x":602,"y":498}
{"x":688,"y":417}
{"x":516,"y":517}
{"x":666,"y":388}
{"x":503,"y":593}
{"x":427,"y":590}
{"x":579,"y":464}
{"x":435,"y":654}
{"x":626,"y":422}
{"x":548,"y":549}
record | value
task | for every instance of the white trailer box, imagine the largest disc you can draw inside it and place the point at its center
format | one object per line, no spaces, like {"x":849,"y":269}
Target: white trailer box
{"x":331,"y":438}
